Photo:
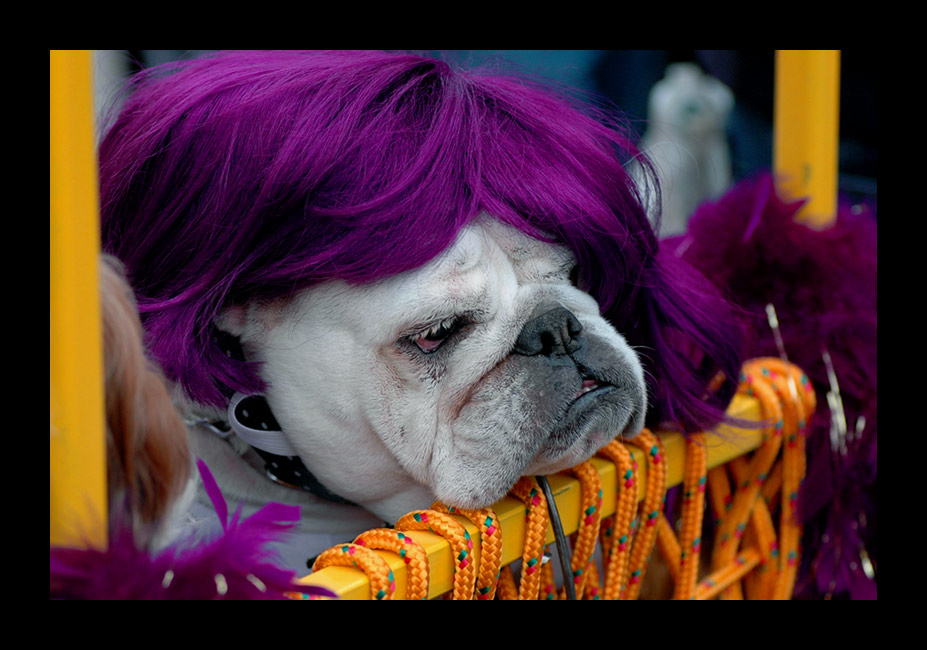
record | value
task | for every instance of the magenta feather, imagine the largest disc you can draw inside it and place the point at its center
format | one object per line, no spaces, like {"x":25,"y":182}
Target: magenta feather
{"x":235,"y":565}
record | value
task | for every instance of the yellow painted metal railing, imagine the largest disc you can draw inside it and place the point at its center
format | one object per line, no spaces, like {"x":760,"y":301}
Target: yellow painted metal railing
{"x":724,"y":445}
{"x":806,"y":128}
{"x":77,"y":451}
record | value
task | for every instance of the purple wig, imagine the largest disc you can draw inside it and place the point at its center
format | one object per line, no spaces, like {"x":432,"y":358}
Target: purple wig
{"x":252,"y":175}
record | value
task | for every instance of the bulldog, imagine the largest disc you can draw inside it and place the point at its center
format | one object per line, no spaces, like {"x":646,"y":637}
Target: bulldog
{"x":448,"y":382}
{"x":301,"y":212}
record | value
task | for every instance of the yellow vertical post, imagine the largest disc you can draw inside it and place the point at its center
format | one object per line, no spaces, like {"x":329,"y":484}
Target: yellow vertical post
{"x":77,"y":448}
{"x":806,"y":129}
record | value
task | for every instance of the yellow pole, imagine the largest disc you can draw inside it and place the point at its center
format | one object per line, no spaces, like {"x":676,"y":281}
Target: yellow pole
{"x":77,"y":449}
{"x":806,"y":128}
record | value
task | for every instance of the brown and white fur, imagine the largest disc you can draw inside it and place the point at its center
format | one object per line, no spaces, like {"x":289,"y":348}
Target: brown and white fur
{"x":149,"y":464}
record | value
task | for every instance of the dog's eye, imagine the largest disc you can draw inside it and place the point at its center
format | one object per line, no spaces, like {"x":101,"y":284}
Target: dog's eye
{"x":432,"y":338}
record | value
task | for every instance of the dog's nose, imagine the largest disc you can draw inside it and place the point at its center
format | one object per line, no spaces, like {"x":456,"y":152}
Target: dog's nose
{"x":552,"y":333}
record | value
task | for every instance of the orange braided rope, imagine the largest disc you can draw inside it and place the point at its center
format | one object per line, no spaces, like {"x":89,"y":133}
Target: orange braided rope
{"x":651,"y":507}
{"x":592,"y":590}
{"x":506,"y":588}
{"x":617,"y":555}
{"x":795,"y":390}
{"x":763,"y":537}
{"x":742,"y":496}
{"x":719,"y":491}
{"x":461,"y":545}
{"x":490,"y":546}
{"x":723,"y":578}
{"x":796,"y":394}
{"x":787,"y":401}
{"x":773,"y":484}
{"x":389,"y":539}
{"x":682,"y":554}
{"x":588,"y":534}
{"x":729,"y":507}
{"x":529,"y":492}
{"x":734,"y":521}
{"x":690,"y":536}
{"x":382,"y":583}
{"x":668,"y":545}
{"x":548,"y":590}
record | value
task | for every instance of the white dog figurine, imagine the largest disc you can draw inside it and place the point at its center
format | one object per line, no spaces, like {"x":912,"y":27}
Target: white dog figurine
{"x":686,"y":141}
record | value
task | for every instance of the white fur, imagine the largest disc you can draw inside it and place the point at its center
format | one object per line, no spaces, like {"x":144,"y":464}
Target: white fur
{"x":390,"y":428}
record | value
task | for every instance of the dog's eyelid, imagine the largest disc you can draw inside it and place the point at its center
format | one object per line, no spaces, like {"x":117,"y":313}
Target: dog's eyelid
{"x":422,"y":327}
{"x":453,"y":321}
{"x":447,"y":325}
{"x":428,"y":339}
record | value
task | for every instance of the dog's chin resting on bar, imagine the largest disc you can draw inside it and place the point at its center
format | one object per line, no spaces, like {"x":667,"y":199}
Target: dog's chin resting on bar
{"x":422,"y":282}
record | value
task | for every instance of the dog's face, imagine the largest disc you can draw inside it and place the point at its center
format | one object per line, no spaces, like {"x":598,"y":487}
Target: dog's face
{"x":450,"y":381}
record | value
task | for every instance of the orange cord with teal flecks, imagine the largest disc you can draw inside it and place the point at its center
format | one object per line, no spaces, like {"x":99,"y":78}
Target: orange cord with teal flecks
{"x":751,"y":557}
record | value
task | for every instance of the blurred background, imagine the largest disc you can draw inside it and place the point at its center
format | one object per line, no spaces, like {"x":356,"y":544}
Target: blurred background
{"x":703,"y":116}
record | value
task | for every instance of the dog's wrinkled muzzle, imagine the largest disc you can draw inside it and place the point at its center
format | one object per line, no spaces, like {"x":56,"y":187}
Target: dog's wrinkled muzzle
{"x":605,"y":389}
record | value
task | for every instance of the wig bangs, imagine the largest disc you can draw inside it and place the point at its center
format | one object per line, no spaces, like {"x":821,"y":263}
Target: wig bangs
{"x":253,"y":175}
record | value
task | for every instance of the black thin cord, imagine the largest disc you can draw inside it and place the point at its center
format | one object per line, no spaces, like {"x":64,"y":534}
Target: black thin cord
{"x":560,"y":538}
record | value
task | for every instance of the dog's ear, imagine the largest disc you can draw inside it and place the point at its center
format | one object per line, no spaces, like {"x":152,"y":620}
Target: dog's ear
{"x":254,"y":317}
{"x":233,"y":320}
{"x":229,"y":326}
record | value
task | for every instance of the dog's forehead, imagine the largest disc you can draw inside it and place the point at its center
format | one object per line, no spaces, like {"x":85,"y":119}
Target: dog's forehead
{"x":465,"y":277}
{"x":484,"y":240}
{"x":487,"y":243}
{"x":527,"y":254}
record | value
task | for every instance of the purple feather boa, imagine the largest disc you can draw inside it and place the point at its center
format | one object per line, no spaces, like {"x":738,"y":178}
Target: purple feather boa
{"x":234,"y":566}
{"x":823,"y":286}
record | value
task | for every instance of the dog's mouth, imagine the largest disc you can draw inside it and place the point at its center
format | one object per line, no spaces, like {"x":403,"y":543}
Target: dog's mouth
{"x":589,"y":385}
{"x":585,"y":424}
{"x":590,"y":389}
{"x":591,"y":403}
{"x":586,"y":398}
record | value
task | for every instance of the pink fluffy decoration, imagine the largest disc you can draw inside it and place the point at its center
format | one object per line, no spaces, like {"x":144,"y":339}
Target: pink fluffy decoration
{"x":236,"y":565}
{"x":822,"y":284}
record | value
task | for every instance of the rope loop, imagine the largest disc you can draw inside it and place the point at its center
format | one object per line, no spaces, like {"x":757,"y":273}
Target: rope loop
{"x":694,"y":485}
{"x":744,"y":491}
{"x":618,"y":530}
{"x":490,"y":546}
{"x":412,"y":553}
{"x":586,"y":539}
{"x":529,"y":492}
{"x":650,"y":510}
{"x":382,"y":582}
{"x":456,"y":534}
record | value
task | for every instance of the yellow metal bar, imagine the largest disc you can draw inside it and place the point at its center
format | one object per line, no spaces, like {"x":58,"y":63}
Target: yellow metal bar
{"x":77,"y":451}
{"x":723,"y":446}
{"x":806,"y":131}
